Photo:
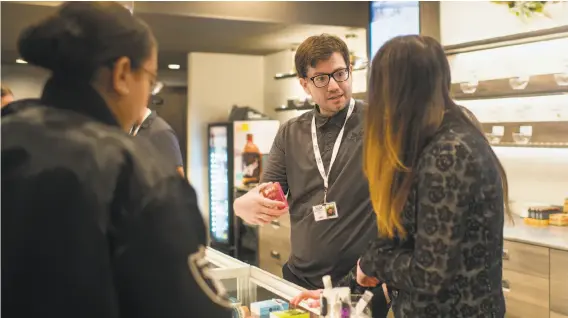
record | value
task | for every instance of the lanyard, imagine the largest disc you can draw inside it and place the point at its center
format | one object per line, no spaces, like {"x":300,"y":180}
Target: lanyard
{"x":134,"y":130}
{"x":317,"y":153}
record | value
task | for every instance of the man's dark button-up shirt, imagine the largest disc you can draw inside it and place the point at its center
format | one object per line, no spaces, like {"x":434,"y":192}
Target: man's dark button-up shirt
{"x":329,"y":246}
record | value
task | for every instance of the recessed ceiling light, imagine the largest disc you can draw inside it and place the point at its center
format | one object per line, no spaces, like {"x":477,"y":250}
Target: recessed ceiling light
{"x":20,"y":61}
{"x":174,"y":66}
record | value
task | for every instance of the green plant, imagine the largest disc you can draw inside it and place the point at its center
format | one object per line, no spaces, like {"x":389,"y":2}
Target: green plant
{"x":526,"y":9}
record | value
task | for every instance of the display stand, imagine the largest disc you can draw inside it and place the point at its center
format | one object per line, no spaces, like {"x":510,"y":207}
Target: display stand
{"x":249,"y":283}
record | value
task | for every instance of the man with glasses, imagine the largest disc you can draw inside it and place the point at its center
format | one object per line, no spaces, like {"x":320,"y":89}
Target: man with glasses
{"x":160,"y":134}
{"x":317,"y":159}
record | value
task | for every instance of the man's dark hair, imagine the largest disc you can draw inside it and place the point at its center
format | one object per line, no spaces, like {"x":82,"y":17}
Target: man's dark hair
{"x":318,"y":48}
{"x":6,"y":91}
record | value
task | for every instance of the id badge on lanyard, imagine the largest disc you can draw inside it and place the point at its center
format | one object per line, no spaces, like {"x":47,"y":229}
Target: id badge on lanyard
{"x":327,"y":210}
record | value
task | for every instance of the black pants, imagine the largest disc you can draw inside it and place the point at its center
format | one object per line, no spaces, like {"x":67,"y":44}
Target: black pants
{"x":379,"y":306}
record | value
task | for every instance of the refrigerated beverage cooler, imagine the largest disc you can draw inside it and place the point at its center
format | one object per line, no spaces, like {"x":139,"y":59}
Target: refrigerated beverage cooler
{"x":237,"y":154}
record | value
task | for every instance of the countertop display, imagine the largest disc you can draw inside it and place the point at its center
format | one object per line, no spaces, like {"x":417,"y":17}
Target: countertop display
{"x":246,"y":284}
{"x":538,"y":259}
{"x":547,"y":236}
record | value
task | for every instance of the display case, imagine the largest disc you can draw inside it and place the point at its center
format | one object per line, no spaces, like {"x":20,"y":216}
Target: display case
{"x":249,"y":284}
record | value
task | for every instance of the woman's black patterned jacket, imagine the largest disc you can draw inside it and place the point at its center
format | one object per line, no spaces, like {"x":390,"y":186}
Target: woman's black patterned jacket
{"x":450,"y":263}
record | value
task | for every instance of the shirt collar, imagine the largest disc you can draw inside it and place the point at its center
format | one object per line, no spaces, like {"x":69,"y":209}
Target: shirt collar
{"x":337,"y":119}
{"x":146,"y":122}
{"x":150,"y":116}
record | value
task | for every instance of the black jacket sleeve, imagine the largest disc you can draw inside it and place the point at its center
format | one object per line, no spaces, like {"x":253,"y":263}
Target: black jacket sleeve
{"x":156,"y":254}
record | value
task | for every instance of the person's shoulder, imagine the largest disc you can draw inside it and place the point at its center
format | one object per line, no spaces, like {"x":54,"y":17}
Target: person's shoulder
{"x":161,"y":124}
{"x":160,"y":128}
{"x":302,"y":119}
{"x":459,"y":140}
{"x":76,"y":134}
{"x":360,"y":109}
{"x":17,"y":106}
{"x":361,"y":104}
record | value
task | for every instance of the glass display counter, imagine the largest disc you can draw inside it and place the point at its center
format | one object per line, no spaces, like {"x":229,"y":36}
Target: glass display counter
{"x":249,"y":284}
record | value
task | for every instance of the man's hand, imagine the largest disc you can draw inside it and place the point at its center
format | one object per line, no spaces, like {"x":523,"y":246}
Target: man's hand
{"x":307,"y":295}
{"x":363,"y":279}
{"x":255,"y":209}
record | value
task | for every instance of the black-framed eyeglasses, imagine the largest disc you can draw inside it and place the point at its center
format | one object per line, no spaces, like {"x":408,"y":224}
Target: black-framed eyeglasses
{"x":155,"y":85}
{"x":321,"y":80}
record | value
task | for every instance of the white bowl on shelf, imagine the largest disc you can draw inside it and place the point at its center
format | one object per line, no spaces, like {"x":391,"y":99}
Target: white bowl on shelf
{"x":493,"y":138}
{"x":469,"y":87}
{"x":561,"y":79}
{"x":519,"y":82}
{"x":521,"y":138}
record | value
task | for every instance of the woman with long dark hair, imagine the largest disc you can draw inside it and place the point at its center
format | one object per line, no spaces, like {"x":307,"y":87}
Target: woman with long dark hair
{"x":438,"y":189}
{"x":92,"y":224}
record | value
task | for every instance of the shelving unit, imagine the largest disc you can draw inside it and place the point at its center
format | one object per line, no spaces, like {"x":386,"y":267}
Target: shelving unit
{"x":282,"y":109}
{"x":280,"y":76}
{"x":508,"y":40}
{"x":539,"y":85}
{"x":545,"y":134}
{"x":360,"y":96}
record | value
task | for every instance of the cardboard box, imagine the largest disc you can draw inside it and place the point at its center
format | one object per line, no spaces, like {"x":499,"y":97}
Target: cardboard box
{"x":262,"y":309}
{"x":292,"y":313}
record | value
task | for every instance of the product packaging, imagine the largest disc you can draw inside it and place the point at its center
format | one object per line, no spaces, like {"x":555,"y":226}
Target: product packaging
{"x":240,"y":312}
{"x":540,"y":215}
{"x":335,"y":302}
{"x":559,"y":219}
{"x":274,"y":192}
{"x":535,"y":222}
{"x":292,"y":313}
{"x":262,"y":309}
{"x":252,"y":162}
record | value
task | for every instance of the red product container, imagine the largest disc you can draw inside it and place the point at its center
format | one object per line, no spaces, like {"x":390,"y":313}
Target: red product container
{"x":274,"y":192}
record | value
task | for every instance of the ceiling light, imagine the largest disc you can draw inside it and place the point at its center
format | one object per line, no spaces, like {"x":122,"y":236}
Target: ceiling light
{"x":174,"y":66}
{"x":20,"y":61}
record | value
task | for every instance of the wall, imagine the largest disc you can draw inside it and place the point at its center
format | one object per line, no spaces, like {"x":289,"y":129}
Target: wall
{"x":215,"y":83}
{"x":465,"y":21}
{"x":173,"y":78}
{"x":511,"y":61}
{"x":277,"y":92}
{"x":25,"y":81}
{"x":536,"y":175}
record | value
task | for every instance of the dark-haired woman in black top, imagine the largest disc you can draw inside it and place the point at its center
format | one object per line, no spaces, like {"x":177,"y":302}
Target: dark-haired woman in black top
{"x":92,"y":226}
{"x":437,"y":187}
